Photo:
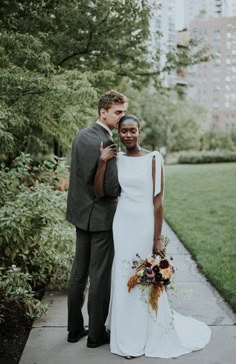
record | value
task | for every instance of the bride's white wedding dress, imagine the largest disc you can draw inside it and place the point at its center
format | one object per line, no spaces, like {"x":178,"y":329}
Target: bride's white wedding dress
{"x":135,"y":328}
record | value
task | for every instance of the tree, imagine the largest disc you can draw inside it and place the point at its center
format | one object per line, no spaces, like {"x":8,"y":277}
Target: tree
{"x":186,"y":126}
{"x":98,"y":35}
{"x":218,"y":138}
{"x":151,"y":108}
{"x":167,"y":120}
{"x":57,"y":55}
{"x":87,"y":35}
{"x":38,"y":104}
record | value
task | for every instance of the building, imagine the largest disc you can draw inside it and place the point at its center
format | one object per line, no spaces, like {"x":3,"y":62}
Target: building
{"x":203,"y":10}
{"x":182,"y":79}
{"x":163,"y":21}
{"x":213,"y":84}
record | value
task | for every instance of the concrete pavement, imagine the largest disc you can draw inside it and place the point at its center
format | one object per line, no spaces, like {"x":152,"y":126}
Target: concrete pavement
{"x":193,"y":296}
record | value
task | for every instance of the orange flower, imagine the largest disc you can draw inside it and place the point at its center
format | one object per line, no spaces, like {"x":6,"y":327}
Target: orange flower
{"x":132,"y":282}
{"x":167,"y":272}
{"x":155,"y":293}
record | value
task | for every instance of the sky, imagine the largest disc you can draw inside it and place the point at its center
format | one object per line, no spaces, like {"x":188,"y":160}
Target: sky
{"x":179,"y":14}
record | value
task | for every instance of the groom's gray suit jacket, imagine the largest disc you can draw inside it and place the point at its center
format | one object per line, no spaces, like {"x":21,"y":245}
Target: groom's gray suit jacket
{"x":84,"y":210}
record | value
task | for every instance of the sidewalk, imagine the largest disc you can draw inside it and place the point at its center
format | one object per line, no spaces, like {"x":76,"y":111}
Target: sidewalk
{"x":193,"y":296}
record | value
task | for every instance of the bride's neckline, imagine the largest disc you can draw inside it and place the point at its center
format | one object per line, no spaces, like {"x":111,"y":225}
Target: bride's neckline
{"x":129,"y":156}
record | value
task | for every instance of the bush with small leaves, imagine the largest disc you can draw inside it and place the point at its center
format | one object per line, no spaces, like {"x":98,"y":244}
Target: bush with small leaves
{"x":15,"y":286}
{"x":207,"y":157}
{"x":34,"y":233}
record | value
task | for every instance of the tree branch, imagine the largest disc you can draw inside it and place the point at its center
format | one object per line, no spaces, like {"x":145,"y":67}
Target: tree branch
{"x":74,"y":54}
{"x":25,"y":94}
{"x":139,"y":73}
{"x":67,"y":58}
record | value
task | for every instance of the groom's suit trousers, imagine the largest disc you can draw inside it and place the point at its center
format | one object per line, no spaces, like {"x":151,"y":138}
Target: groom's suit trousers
{"x":94,"y":255}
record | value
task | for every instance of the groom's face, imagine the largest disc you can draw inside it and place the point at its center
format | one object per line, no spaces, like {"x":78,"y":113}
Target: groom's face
{"x":112,"y":116}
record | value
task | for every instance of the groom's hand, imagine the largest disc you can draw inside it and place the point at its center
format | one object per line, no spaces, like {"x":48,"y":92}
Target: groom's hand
{"x":108,"y":152}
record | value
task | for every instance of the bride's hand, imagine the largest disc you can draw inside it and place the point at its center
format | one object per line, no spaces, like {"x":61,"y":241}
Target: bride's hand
{"x":159,"y":248}
{"x":108,"y":152}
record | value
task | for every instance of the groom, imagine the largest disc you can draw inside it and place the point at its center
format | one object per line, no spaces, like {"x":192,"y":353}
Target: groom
{"x":93,"y":218}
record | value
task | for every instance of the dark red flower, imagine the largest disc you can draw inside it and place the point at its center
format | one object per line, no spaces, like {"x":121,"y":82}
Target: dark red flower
{"x":164,"y":264}
{"x":166,"y":281}
{"x":149,"y":270}
{"x":156,"y":268}
{"x":158,"y":277}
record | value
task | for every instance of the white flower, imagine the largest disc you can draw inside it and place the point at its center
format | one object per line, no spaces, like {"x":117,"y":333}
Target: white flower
{"x":140,"y":273}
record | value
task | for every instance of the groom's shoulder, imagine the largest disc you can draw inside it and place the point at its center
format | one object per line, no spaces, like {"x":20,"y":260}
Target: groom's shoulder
{"x":87,"y":132}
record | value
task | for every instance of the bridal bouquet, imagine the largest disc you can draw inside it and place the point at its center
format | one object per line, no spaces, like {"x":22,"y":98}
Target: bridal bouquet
{"x":153,"y":272}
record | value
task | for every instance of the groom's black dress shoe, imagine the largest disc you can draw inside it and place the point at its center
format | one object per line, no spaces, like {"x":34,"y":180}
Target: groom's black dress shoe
{"x":94,"y":344}
{"x":74,"y":337}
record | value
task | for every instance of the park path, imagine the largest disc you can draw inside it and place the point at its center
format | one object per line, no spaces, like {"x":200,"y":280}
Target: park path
{"x":194,"y":296}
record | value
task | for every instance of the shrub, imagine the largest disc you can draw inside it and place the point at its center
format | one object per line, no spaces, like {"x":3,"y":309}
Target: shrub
{"x":214,"y":139}
{"x":206,"y":157}
{"x":15,"y":287}
{"x":34,"y":235}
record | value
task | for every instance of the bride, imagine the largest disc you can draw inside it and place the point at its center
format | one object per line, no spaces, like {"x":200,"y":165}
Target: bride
{"x":136,"y":329}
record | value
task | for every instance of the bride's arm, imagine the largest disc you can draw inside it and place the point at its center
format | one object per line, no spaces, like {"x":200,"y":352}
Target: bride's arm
{"x":158,"y":246}
{"x":106,"y":154}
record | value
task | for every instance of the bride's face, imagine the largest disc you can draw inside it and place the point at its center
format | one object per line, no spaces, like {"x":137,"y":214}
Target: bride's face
{"x":129,"y":133}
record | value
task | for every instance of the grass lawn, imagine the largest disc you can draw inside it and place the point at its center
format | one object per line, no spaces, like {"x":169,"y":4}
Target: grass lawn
{"x":200,"y":206}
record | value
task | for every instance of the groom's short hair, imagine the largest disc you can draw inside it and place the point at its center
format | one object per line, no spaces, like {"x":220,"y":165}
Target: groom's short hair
{"x":109,"y":98}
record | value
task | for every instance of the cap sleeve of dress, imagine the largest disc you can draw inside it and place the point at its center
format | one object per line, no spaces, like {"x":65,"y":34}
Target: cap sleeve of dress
{"x":158,"y":164}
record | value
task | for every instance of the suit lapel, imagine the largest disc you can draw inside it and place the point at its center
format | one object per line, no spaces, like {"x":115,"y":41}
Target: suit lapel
{"x":102,"y":130}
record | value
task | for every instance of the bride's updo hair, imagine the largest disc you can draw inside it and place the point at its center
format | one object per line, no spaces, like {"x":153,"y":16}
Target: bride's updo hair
{"x":129,"y":117}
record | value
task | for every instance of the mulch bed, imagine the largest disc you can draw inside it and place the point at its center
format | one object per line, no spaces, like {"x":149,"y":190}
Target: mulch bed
{"x":14,"y":332}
